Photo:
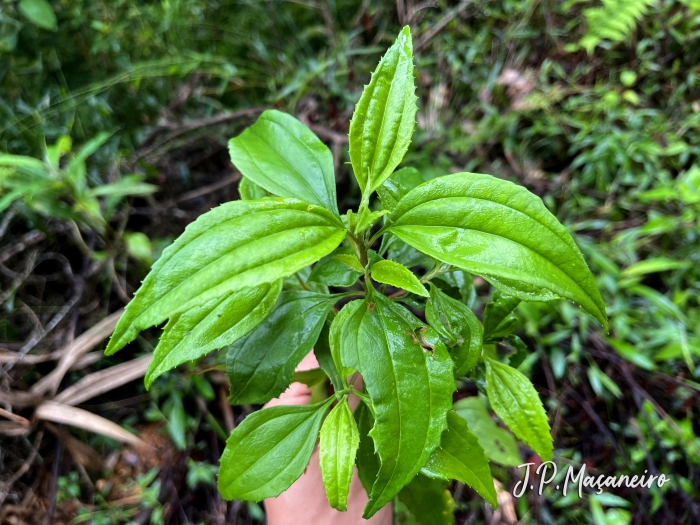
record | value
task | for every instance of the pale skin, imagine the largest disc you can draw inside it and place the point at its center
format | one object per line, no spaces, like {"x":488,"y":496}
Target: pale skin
{"x":305,"y":501}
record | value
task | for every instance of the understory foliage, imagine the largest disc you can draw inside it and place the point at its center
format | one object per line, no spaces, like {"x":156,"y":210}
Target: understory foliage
{"x":238,"y":279}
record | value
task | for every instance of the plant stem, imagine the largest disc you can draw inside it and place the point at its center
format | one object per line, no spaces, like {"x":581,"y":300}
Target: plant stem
{"x":302,"y":282}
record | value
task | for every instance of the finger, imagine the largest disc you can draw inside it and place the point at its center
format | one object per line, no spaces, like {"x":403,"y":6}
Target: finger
{"x":297,"y":393}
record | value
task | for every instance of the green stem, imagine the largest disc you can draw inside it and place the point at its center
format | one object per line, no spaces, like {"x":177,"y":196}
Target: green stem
{"x":302,"y":282}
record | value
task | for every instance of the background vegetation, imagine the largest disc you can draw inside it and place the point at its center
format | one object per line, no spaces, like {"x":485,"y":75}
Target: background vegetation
{"x":127,"y":108}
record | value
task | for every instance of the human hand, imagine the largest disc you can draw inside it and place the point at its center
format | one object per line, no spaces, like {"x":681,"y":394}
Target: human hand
{"x":305,"y":501}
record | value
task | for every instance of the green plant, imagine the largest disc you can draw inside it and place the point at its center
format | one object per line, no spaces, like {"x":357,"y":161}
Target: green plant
{"x":614,"y":21}
{"x":239,"y":278}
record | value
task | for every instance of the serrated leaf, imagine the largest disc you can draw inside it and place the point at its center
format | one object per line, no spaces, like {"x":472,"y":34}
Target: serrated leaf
{"x":40,"y":13}
{"x":498,"y":322}
{"x":500,"y":231}
{"x":286,"y":158}
{"x":454,"y":321}
{"x":214,"y":325}
{"x":395,"y":274}
{"x":339,"y":441}
{"x":249,"y":191}
{"x":366,"y":458}
{"x":499,"y":445}
{"x":399,"y":375}
{"x":397,"y":185}
{"x":429,"y":500}
{"x":268,"y":452}
{"x":351,"y":261}
{"x":460,"y":457}
{"x":239,"y":244}
{"x":260,"y":364}
{"x":366,"y":219}
{"x":517,"y":403}
{"x":384,"y":118}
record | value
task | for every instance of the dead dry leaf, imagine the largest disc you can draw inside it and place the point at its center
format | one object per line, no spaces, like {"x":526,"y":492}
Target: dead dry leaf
{"x":77,"y":417}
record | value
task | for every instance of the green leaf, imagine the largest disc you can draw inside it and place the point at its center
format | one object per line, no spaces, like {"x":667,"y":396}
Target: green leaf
{"x":517,"y":403}
{"x":322,"y":351}
{"x":658,"y":264}
{"x":631,"y":354}
{"x":397,"y":185}
{"x":351,"y":261}
{"x":454,"y":321}
{"x":283,"y":156}
{"x":260,"y":364}
{"x":21,"y":161}
{"x":177,"y":421}
{"x":350,"y":314}
{"x":269,"y":451}
{"x":75,"y":169}
{"x":429,"y":500}
{"x":499,"y":445}
{"x":498,"y":322}
{"x":400,"y":375}
{"x":332,"y":272}
{"x":500,"y":231}
{"x":216,"y":324}
{"x":460,"y":457}
{"x":395,"y":274}
{"x":239,"y":244}
{"x":40,"y":13}
{"x":249,"y":191}
{"x":366,"y":458}
{"x":339,"y":441}
{"x":384,"y":118}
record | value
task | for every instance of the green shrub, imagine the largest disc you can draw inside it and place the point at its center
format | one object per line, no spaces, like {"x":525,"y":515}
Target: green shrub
{"x":238,"y":278}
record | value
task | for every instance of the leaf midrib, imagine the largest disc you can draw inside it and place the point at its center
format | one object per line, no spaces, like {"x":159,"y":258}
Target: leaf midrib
{"x":330,"y":190}
{"x":575,"y":282}
{"x":300,"y":177}
{"x":496,"y":371}
{"x":563,"y":236}
{"x":236,"y":248}
{"x":261,"y":458}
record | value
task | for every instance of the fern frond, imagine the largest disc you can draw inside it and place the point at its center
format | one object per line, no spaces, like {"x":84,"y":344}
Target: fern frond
{"x":614,"y":21}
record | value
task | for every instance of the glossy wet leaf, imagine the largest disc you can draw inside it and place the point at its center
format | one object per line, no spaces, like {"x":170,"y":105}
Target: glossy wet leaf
{"x":350,"y":260}
{"x":322,"y":351}
{"x":429,"y":501}
{"x":268,"y":452}
{"x":397,"y":185}
{"x":498,"y":322}
{"x":395,"y":274}
{"x":384,"y":118}
{"x":349,"y":315}
{"x":216,"y":324}
{"x":454,"y":321}
{"x":460,"y":457}
{"x":333,"y":272}
{"x":239,"y":244}
{"x":517,"y":403}
{"x":286,"y":158}
{"x":500,"y":231}
{"x":260,"y":364}
{"x":339,"y":441}
{"x":499,"y":445}
{"x":399,"y":375}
